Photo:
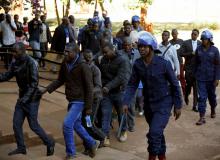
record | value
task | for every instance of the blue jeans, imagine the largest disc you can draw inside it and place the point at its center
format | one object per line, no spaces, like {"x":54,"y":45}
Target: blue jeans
{"x":30,"y":111}
{"x":72,"y":121}
{"x":106,"y":106}
{"x":206,"y":90}
{"x":36,"y":45}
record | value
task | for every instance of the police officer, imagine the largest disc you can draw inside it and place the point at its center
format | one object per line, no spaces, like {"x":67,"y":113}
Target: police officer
{"x":207,"y":71}
{"x":25,"y":69}
{"x":161,"y":92}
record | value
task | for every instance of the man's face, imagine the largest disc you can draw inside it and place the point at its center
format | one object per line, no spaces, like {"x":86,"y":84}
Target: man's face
{"x":88,"y":57}
{"x":165,"y":36}
{"x":174,"y":34}
{"x":17,"y":53}
{"x":205,"y":42}
{"x":43,"y":18}
{"x":127,"y":47}
{"x":70,"y":55}
{"x":144,"y":50}
{"x":194,"y":35}
{"x":107,"y":52}
{"x":16,"y":18}
{"x":127,"y":29}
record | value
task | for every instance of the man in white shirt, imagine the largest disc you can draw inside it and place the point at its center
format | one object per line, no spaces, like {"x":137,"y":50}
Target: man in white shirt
{"x":8,"y":28}
{"x":168,"y":52}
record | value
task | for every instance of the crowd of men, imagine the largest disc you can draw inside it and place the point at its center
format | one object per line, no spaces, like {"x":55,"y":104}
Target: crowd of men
{"x":101,"y":72}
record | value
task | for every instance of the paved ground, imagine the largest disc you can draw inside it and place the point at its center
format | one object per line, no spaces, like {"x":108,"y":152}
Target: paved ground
{"x":185,"y":140}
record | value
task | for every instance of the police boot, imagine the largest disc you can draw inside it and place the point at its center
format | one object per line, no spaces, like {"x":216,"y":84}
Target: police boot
{"x":213,"y":114}
{"x":162,"y":157}
{"x":201,"y":121}
{"x":152,"y":157}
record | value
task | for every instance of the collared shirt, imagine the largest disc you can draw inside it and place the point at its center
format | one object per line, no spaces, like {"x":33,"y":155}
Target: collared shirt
{"x":171,"y":56}
{"x":194,"y":45}
{"x":8,"y":33}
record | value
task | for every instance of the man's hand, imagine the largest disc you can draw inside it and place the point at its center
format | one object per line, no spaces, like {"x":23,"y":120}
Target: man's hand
{"x":105,"y":90}
{"x":42,"y":90}
{"x":125,"y":109}
{"x":177,"y":113}
{"x":88,"y":111}
{"x":216,"y":83}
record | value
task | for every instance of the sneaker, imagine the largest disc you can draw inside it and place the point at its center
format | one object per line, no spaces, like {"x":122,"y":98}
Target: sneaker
{"x":131,"y":129}
{"x":17,"y":151}
{"x":141,"y":113}
{"x":93,"y":149}
{"x":123,"y":136}
{"x":201,"y":121}
{"x":106,"y":142}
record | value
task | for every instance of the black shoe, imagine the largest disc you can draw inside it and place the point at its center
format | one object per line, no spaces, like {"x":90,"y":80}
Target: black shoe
{"x":93,"y":149}
{"x":86,"y":152}
{"x":195,"y":109}
{"x":17,"y":151}
{"x":50,"y":149}
{"x":131,"y":129}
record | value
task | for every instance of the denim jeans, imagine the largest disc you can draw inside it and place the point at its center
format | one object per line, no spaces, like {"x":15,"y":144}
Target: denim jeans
{"x":108,"y":101}
{"x":30,"y":111}
{"x":72,"y":121}
{"x":206,"y":89}
{"x":36,"y":45}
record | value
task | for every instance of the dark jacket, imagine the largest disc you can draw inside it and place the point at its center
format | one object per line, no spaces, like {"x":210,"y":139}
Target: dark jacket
{"x":207,"y":64}
{"x":59,"y":38}
{"x":26,"y":73}
{"x":78,"y":82}
{"x":34,"y":29}
{"x":159,"y":81}
{"x":186,"y":52}
{"x":115,"y":73}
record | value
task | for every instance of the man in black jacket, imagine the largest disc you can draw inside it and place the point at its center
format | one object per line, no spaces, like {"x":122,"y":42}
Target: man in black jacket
{"x":188,"y":52}
{"x":115,"y":71}
{"x":25,"y":69}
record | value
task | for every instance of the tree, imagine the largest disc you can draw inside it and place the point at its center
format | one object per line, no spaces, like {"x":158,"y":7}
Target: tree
{"x":57,"y":12}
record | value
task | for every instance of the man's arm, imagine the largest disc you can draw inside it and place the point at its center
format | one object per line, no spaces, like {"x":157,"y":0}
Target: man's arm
{"x":6,"y":76}
{"x":175,"y":86}
{"x":88,"y":84}
{"x":176,"y":61}
{"x":217,"y":65}
{"x":59,"y":82}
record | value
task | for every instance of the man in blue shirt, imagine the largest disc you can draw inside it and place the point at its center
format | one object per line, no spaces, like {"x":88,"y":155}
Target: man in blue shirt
{"x":207,"y":72}
{"x":161,"y":91}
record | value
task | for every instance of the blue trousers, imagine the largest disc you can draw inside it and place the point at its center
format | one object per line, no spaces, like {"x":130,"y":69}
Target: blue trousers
{"x":157,"y":115}
{"x":206,"y":89}
{"x":106,"y":106}
{"x":72,"y":121}
{"x":30,"y":111}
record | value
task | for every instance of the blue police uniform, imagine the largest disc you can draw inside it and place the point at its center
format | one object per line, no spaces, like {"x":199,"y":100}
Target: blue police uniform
{"x":207,"y":70}
{"x":161,"y":91}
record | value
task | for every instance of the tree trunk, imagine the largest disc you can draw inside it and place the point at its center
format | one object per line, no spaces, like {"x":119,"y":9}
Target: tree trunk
{"x":96,"y":4}
{"x":45,"y":8}
{"x":102,"y":6}
{"x":57,"y":12}
{"x":67,"y":8}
